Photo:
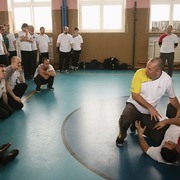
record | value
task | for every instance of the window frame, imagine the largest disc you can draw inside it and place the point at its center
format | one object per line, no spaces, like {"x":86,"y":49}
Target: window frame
{"x":30,"y":4}
{"x":101,"y":3}
{"x":171,"y":11}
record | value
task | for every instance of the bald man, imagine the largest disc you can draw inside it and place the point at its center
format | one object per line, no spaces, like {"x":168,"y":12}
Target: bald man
{"x":15,"y":85}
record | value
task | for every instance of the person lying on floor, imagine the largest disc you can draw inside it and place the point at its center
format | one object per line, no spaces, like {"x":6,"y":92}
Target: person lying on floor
{"x":169,"y":150}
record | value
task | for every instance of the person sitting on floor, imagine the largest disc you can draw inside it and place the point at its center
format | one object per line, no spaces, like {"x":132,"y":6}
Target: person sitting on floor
{"x":44,"y":75}
{"x":169,"y":130}
{"x":15,"y":84}
{"x":5,"y":109}
{"x":6,"y":157}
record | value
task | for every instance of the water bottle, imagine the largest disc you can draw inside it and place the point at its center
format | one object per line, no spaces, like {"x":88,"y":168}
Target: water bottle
{"x":84,"y":65}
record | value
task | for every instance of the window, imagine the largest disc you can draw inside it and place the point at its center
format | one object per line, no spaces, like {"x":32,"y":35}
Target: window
{"x":164,"y":12}
{"x":102,"y":15}
{"x":35,"y":12}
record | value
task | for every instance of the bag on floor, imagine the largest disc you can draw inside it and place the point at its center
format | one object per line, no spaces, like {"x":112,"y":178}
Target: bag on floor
{"x":111,"y":63}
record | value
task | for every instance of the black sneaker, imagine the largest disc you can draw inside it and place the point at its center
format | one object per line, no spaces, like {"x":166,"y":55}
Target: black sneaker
{"x":119,"y":142}
{"x":12,"y":154}
{"x":50,"y":88}
{"x":133,"y":128}
{"x":38,"y":89}
{"x":133,"y":131}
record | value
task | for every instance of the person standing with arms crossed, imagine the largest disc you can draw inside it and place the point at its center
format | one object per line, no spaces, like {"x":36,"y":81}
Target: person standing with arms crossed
{"x":25,"y":47}
{"x":167,"y":43}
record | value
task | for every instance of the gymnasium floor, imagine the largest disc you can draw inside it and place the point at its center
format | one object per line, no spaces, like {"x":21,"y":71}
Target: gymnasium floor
{"x":70,"y":133}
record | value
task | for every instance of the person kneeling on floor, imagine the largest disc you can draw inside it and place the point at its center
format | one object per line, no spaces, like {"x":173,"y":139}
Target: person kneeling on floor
{"x":44,"y":75}
{"x":9,"y":156}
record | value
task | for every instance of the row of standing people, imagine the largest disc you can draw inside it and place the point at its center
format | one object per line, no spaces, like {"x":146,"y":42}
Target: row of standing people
{"x":31,"y":44}
{"x":12,"y":82}
{"x":69,"y":46}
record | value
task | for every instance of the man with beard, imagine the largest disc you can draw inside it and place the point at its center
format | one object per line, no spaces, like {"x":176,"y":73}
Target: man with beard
{"x":64,"y":45}
{"x":44,"y":75}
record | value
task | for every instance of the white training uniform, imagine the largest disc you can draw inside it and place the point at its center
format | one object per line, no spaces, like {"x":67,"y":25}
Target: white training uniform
{"x":43,"y":41}
{"x":14,"y":79}
{"x":11,"y":39}
{"x":65,"y":41}
{"x":172,"y":134}
{"x":2,"y":87}
{"x":152,"y":91}
{"x":1,"y":45}
{"x":34,"y":43}
{"x":168,"y":43}
{"x":50,"y":68}
{"x":78,"y":40}
{"x":24,"y":45}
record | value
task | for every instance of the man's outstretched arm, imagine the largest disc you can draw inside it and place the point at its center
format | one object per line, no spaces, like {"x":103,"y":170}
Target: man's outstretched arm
{"x":142,"y":142}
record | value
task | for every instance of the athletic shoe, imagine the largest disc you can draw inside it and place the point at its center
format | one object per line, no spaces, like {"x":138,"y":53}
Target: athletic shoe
{"x":12,"y":154}
{"x":119,"y":142}
{"x":38,"y":89}
{"x":133,"y":128}
{"x":50,"y":88}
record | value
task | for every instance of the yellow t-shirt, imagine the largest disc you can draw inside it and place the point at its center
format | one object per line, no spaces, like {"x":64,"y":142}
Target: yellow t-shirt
{"x":139,"y":78}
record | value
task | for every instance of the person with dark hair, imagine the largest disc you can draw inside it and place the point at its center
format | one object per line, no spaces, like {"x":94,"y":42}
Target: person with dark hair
{"x":167,"y":43}
{"x":169,"y":149}
{"x":44,"y":75}
{"x":43,"y":45}
{"x":12,"y":42}
{"x":78,"y":40}
{"x":25,"y":47}
{"x":5,"y":109}
{"x":7,"y":157}
{"x":148,"y":86}
{"x":170,"y":155}
{"x":3,"y":50}
{"x":34,"y":50}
